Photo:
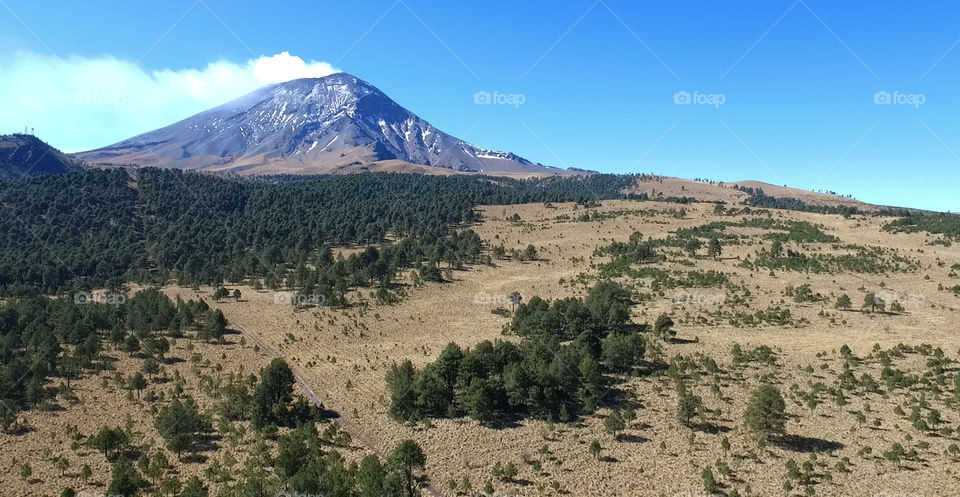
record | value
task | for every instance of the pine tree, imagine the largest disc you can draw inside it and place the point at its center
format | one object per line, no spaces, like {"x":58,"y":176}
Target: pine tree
{"x":371,"y":477}
{"x":137,"y":382}
{"x":614,"y":423}
{"x":714,"y":249}
{"x":125,"y":479}
{"x":689,"y":405}
{"x":776,"y":249}
{"x":273,"y":395}
{"x":195,"y":488}
{"x":766,"y":412}
{"x":405,"y":459}
{"x":663,"y":327}
{"x":692,"y":246}
{"x":595,"y":449}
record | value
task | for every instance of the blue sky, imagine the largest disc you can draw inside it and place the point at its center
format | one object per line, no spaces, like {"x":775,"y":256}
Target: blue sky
{"x":793,"y":84}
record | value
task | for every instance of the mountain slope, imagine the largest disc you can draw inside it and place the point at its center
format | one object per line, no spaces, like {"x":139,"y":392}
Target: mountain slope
{"x":308,"y":126}
{"x":25,"y":156}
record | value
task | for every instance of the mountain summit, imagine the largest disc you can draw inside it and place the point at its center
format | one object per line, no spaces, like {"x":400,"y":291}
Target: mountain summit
{"x":330,"y":124}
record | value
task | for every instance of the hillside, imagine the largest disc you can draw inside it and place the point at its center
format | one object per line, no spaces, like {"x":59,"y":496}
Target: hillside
{"x":741,"y":192}
{"x":470,"y":333}
{"x":858,"y":380}
{"x":25,"y":156}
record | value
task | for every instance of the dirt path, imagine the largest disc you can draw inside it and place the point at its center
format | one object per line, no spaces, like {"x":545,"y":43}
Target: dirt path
{"x":347,"y":425}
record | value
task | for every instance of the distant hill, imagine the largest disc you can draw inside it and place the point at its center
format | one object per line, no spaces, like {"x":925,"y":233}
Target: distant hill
{"x":26,"y":156}
{"x":753,"y":193}
{"x":334,"y":124}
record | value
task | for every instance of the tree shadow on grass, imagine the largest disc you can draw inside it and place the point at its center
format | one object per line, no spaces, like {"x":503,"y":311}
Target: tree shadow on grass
{"x":712,"y":428}
{"x":505,"y":421}
{"x":523,"y":482}
{"x":616,"y":398}
{"x":798,"y":443}
{"x":195,"y":458}
{"x":631,"y":438}
{"x":636,"y":328}
{"x":650,"y":368}
{"x":18,"y":429}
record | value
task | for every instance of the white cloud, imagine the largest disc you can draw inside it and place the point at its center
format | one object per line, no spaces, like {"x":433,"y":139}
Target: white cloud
{"x":82,"y":103}
{"x":285,"y":67}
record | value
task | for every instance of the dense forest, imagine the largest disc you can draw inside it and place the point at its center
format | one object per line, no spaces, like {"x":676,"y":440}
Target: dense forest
{"x":557,"y":372}
{"x":101,"y":228}
{"x":947,"y":225}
